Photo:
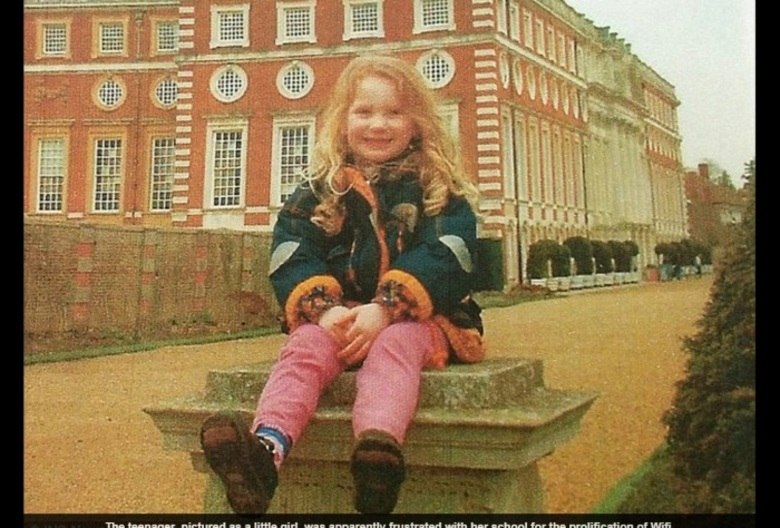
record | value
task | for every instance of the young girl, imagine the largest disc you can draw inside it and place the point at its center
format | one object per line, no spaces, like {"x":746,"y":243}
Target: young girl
{"x":372,"y":262}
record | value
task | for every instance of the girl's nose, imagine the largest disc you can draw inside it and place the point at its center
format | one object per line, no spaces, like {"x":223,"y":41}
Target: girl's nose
{"x":378,"y":121}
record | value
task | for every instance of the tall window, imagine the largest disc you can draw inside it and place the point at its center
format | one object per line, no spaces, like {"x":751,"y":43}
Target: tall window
{"x":547,"y":187}
{"x":230,"y":25}
{"x":433,"y":15}
{"x":520,"y":158}
{"x":51,"y":174}
{"x":54,"y":39}
{"x":293,"y":142}
{"x":167,"y":36}
{"x":363,"y":19}
{"x":508,"y":151}
{"x":514,"y":21}
{"x":539,"y":34}
{"x":107,"y":176}
{"x":161,"y":191}
{"x":227,"y":167}
{"x":295,"y":21}
{"x":533,"y":160}
{"x":111,"y":37}
{"x":528,"y":29}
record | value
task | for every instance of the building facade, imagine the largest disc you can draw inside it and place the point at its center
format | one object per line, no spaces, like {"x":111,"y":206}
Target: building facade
{"x":202,"y":114}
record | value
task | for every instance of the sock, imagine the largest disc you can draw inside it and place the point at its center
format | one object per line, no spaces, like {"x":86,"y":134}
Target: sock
{"x":280,"y":441}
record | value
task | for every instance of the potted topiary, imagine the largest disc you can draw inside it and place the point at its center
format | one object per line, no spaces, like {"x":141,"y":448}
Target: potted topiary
{"x":602,"y":255}
{"x":539,"y":266}
{"x":582,"y":256}
{"x":620,"y":258}
{"x":632,"y":252}
{"x":561,"y":267}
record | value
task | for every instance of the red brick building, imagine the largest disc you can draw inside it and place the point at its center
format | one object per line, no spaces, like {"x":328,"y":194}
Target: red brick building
{"x":712,"y":208}
{"x":202,"y":113}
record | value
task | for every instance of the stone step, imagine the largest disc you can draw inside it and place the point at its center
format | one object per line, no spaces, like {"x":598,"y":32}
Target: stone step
{"x":491,"y":384}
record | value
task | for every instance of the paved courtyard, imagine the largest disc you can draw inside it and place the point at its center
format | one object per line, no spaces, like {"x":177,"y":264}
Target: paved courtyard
{"x":89,"y":448}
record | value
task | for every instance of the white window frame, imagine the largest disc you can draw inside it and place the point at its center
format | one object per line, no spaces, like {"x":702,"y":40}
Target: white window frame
{"x":160,"y":38}
{"x":281,"y":21}
{"x":502,"y":17}
{"x":161,"y":173}
{"x":540,"y":35}
{"x":419,"y":23}
{"x":528,"y":29}
{"x":166,"y":92}
{"x":239,"y":73}
{"x":521,"y":169}
{"x":534,"y":160}
{"x":349,"y":27}
{"x":46,"y":38}
{"x":216,"y":13}
{"x":51,"y":177}
{"x":508,"y":154}
{"x":288,"y":68}
{"x":103,"y":39}
{"x":444,"y":57}
{"x":514,"y":20}
{"x":112,"y":173}
{"x":238,"y":126}
{"x":571,"y":56}
{"x":281,"y":123}
{"x":551,"y":55}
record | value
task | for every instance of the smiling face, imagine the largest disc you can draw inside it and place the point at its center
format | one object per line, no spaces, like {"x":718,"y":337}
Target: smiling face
{"x":378,"y":126}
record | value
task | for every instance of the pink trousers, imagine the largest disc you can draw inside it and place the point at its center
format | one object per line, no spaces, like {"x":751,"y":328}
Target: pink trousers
{"x":388,"y":382}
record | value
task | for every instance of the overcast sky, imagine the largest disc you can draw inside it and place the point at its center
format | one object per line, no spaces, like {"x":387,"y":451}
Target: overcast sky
{"x":706,"y":49}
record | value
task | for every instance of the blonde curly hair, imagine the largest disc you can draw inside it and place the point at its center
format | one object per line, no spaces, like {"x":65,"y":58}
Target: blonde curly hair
{"x":438,"y":154}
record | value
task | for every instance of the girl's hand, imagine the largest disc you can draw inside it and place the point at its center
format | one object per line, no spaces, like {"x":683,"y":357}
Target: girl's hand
{"x":365,"y":323}
{"x":336,"y":321}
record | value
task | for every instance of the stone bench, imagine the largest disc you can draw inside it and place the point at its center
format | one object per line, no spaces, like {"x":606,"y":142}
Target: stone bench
{"x":473,"y":446}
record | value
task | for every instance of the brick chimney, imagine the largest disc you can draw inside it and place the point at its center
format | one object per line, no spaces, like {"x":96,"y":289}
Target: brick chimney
{"x":704,"y":171}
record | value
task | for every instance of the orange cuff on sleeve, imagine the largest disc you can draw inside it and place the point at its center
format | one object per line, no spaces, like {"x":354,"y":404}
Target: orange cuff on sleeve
{"x":310,"y":299}
{"x":404,"y":296}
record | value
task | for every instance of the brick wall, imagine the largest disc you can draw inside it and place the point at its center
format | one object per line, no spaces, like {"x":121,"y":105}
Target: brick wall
{"x":141,"y":283}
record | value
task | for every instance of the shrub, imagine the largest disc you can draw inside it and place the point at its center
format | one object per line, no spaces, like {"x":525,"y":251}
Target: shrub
{"x":621,"y":254}
{"x":603,"y":255}
{"x":712,"y":426}
{"x":582,"y":251}
{"x":561,"y":261}
{"x":539,"y":253}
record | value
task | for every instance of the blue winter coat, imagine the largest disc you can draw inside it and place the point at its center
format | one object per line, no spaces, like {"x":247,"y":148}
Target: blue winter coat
{"x":383,"y":248}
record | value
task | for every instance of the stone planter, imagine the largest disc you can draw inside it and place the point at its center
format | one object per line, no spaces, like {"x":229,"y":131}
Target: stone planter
{"x":609,"y":279}
{"x":552,"y":284}
{"x":564,"y":283}
{"x":577,"y":282}
{"x":588,"y":281}
{"x":473,"y":446}
{"x":539,"y":282}
{"x":600,"y":279}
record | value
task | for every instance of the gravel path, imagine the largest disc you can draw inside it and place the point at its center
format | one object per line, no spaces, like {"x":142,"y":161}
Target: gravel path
{"x":89,"y":448}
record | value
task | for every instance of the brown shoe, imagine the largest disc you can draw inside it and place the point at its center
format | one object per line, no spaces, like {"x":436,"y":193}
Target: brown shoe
{"x":377,"y":467}
{"x":244,"y":464}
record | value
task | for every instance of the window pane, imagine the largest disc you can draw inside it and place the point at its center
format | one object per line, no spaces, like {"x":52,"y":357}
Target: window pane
{"x":231,"y":26}
{"x":163,"y":155}
{"x":435,"y":13}
{"x":107,"y":177}
{"x":112,"y":37}
{"x":54,"y":39}
{"x":293,"y":157}
{"x":167,"y":36}
{"x":365,"y":17}
{"x":297,"y":22}
{"x":228,"y":146}
{"x":51,"y":174}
